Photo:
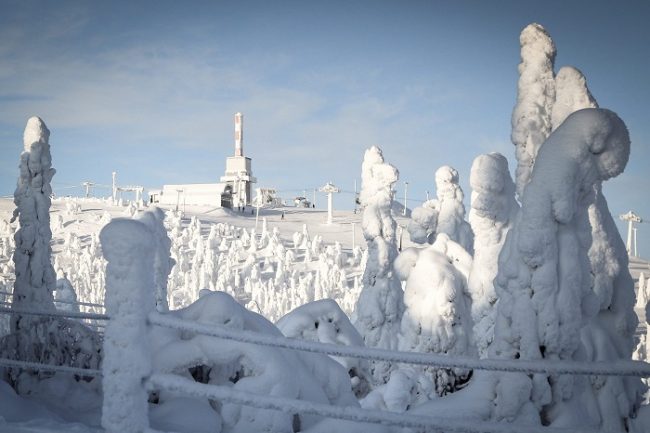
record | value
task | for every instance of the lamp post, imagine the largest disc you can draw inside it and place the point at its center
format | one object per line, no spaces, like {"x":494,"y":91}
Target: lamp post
{"x":406,"y":187}
{"x":329,"y":189}
{"x":631,"y":218}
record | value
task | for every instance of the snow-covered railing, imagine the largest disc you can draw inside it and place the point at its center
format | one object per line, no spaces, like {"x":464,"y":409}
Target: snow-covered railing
{"x":617,"y":368}
{"x":53,"y":313}
{"x":184,"y":386}
{"x":35,"y":366}
{"x":61,"y":301}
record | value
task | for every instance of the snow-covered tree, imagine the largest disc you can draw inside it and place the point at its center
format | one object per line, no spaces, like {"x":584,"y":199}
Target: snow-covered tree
{"x":493,"y":209}
{"x":544,"y":279}
{"x":608,"y":336}
{"x":423,"y":222}
{"x":531,"y":117}
{"x":38,"y":338}
{"x":437,"y":316}
{"x":163,"y":263}
{"x":35,"y":276}
{"x":379,"y":309}
{"x":445,"y":214}
{"x":65,"y":294}
{"x":571,"y":94}
{"x":451,"y":210}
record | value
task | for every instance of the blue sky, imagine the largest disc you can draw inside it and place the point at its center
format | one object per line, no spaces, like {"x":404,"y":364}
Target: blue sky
{"x":150,"y":88}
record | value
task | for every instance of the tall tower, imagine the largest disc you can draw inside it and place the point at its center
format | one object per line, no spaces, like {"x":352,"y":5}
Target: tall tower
{"x":238,"y":168}
{"x":239,"y":134}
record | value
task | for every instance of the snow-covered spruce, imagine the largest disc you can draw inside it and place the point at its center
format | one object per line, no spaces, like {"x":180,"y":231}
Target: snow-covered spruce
{"x":531,"y":117}
{"x":609,"y":336}
{"x":35,"y":276}
{"x":544,"y":277}
{"x":128,"y":246}
{"x":445,"y":214}
{"x":423,"y":223}
{"x":260,"y":370}
{"x":324,"y":321}
{"x":493,"y":210}
{"x":38,"y":338}
{"x":163,"y":263}
{"x":379,"y":309}
{"x":65,"y":294}
{"x":571,"y":94}
{"x":437,"y":313}
{"x":451,"y":210}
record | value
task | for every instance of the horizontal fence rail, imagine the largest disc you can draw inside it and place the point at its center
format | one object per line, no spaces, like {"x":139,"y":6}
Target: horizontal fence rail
{"x":4,"y":362}
{"x":177,"y":384}
{"x":616,"y":368}
{"x":54,"y":313}
{"x":61,"y":301}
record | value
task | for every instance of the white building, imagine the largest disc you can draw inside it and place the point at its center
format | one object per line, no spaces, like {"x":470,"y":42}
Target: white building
{"x":233,"y":190}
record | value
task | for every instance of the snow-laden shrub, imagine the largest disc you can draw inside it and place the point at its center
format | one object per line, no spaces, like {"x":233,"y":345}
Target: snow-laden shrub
{"x":65,"y":293}
{"x":437,"y":315}
{"x":493,"y":209}
{"x":246,"y":367}
{"x":324,"y":321}
{"x":544,"y":280}
{"x":380,"y":306}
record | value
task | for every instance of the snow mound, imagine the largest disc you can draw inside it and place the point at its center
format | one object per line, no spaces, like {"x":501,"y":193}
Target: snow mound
{"x":324,"y":321}
{"x":246,"y":367}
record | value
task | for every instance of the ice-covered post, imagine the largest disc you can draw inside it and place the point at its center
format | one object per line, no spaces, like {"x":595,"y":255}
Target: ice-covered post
{"x":128,"y":246}
{"x":329,"y":189}
{"x":35,"y":276}
{"x":406,"y":188}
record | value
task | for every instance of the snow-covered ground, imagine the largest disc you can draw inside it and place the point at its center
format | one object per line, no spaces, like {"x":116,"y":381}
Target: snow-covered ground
{"x":317,"y":249}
